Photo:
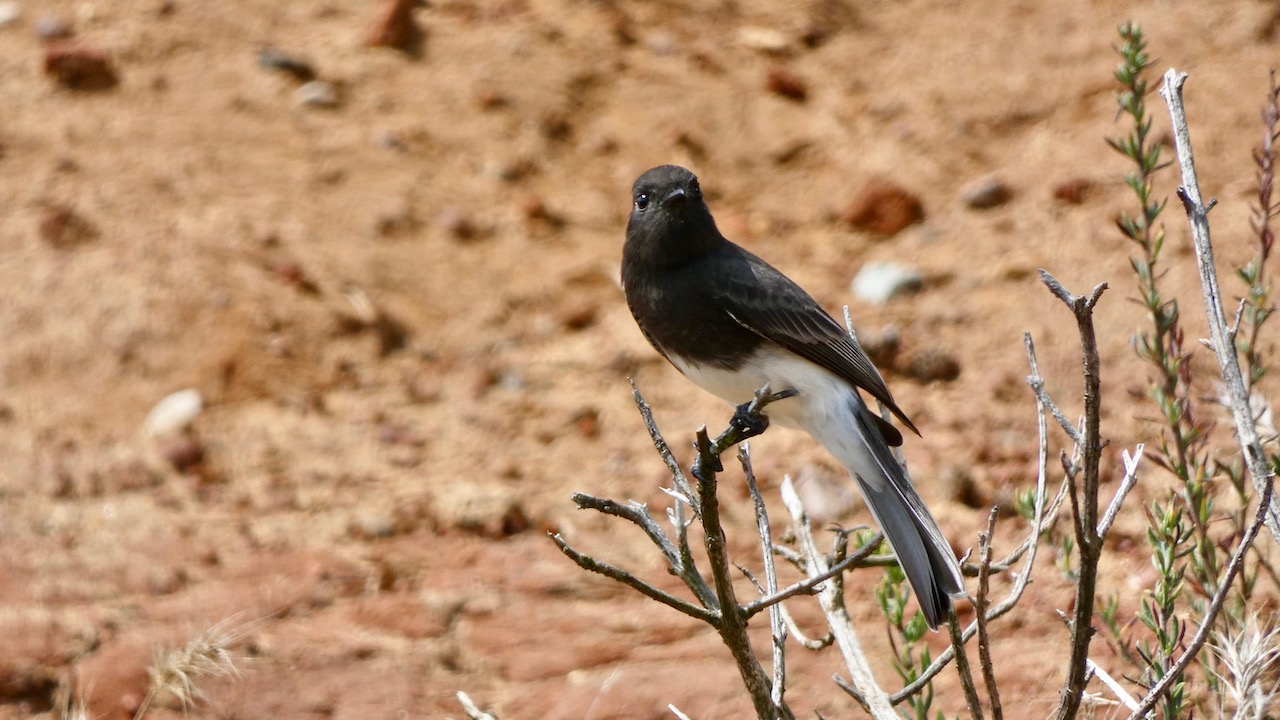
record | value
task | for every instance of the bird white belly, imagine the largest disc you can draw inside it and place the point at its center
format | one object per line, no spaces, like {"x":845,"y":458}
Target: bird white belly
{"x":823,"y":397}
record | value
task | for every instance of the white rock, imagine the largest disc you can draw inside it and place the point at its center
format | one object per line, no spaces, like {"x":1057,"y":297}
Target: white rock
{"x":876,"y":283}
{"x":763,"y":39}
{"x":174,"y":413}
{"x":985,"y":192}
{"x":10,"y":12}
{"x":317,"y":93}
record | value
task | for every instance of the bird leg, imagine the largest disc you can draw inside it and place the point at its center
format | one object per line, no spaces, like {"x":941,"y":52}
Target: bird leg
{"x":749,"y":421}
{"x":749,"y":418}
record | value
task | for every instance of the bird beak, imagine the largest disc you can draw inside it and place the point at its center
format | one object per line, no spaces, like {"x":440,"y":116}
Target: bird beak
{"x":676,"y":196}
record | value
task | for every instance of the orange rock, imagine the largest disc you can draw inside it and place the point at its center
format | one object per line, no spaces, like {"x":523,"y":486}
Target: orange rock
{"x":79,"y":68}
{"x":781,"y":81}
{"x":883,"y":208}
{"x":395,"y":27}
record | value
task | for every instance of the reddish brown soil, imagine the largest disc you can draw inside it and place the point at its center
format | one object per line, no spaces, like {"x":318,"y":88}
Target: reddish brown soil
{"x":373,"y":496}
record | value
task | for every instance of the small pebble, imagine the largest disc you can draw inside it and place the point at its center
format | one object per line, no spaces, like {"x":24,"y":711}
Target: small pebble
{"x":985,"y":192}
{"x":174,"y":413}
{"x":587,"y":420}
{"x":661,"y":42}
{"x":931,"y":365}
{"x":781,"y":81}
{"x":395,"y":27}
{"x":371,"y":526}
{"x":1073,"y":191}
{"x":291,"y":273}
{"x":766,"y":40}
{"x":456,"y":223}
{"x":578,"y":316}
{"x":882,"y":347}
{"x":396,"y":217}
{"x":317,"y":93}
{"x":877,"y":283}
{"x":62,"y":227}
{"x":79,"y":68}
{"x":483,"y":512}
{"x":488,"y":98}
{"x":273,"y":59}
{"x":53,"y":27}
{"x":884,"y":208}
{"x":10,"y":12}
{"x":959,"y":485}
{"x":826,"y":497}
{"x":533,"y":208}
{"x":182,"y":452}
{"x":512,"y":381}
{"x":388,"y":140}
{"x":508,"y":169}
{"x":390,"y":433}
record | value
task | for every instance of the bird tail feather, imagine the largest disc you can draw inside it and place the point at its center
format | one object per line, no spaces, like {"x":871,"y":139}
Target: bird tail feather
{"x":923,"y":552}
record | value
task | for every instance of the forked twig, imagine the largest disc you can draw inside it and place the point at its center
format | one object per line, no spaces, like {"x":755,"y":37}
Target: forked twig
{"x":1223,"y":348}
{"x":719,"y":604}
{"x":831,"y":598}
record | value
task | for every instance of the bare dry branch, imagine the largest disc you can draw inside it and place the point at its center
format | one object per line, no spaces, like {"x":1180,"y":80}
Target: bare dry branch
{"x":472,"y":710}
{"x":679,"y":560}
{"x":1130,"y":479}
{"x":962,"y":666}
{"x":777,"y":627}
{"x":681,"y":482}
{"x":586,"y":562}
{"x":1044,"y":517}
{"x":1223,"y":348}
{"x":831,"y":599}
{"x":1084,"y":498}
{"x":807,"y":586}
{"x":980,"y":606}
{"x":1116,"y":688}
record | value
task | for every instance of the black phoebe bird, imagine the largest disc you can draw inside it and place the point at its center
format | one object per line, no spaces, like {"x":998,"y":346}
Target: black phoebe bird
{"x":732,"y":323}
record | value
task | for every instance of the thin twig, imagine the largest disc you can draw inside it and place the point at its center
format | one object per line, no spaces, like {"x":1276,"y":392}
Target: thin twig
{"x":804,"y":640}
{"x":1045,"y":515}
{"x":732,"y":624}
{"x":852,"y":692}
{"x":808,"y":585}
{"x":832,"y":601}
{"x":1085,"y":502}
{"x":1127,"y":484}
{"x":1223,"y":349}
{"x":1037,"y":386}
{"x":777,"y":628}
{"x":1116,"y":688}
{"x":470,"y":708}
{"x":586,"y":562}
{"x":680,"y":562}
{"x":962,"y":665}
{"x":980,"y":606}
{"x":681,"y":482}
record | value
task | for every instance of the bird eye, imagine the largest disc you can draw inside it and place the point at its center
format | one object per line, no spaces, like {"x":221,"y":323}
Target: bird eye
{"x":694,"y":189}
{"x":642,"y":201}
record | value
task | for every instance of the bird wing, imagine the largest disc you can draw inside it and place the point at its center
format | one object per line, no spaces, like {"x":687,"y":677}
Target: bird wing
{"x":788,"y":316}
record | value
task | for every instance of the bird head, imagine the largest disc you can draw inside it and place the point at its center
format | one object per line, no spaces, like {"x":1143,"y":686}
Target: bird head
{"x":670,"y":223}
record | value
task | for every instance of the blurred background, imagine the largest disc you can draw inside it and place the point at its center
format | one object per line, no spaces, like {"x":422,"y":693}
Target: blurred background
{"x":380,"y":243}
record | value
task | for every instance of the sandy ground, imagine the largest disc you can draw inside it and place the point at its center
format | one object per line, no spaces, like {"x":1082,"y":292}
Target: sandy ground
{"x":402,"y":314}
